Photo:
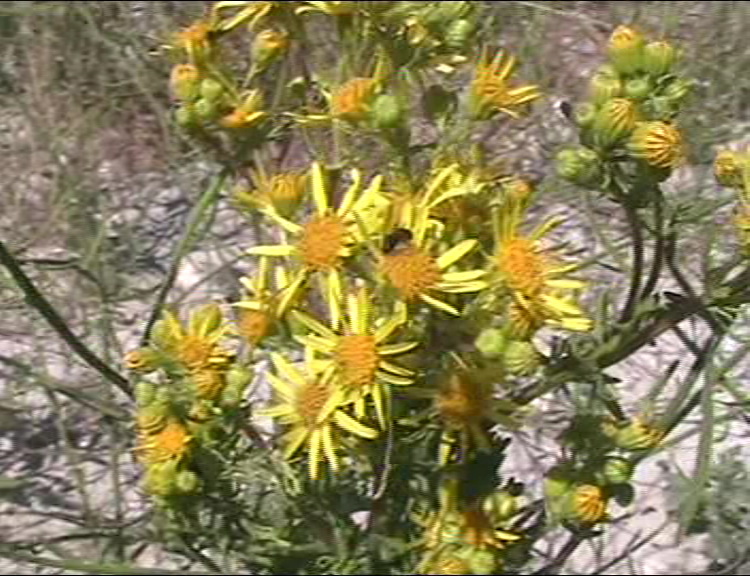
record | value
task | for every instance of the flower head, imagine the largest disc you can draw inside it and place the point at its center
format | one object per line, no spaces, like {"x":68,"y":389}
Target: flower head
{"x":660,"y":144}
{"x":491,"y":91}
{"x":588,"y":503}
{"x":539,"y":285}
{"x":265,"y":301}
{"x":729,"y":168}
{"x":247,"y":114}
{"x":411,"y":268}
{"x":169,"y":443}
{"x":352,"y":100}
{"x":310,"y":403}
{"x":329,"y":236}
{"x":360,"y":353}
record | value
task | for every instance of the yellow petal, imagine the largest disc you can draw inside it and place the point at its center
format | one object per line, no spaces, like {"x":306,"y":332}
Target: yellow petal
{"x":289,"y":293}
{"x":461,"y":287}
{"x":400,"y":348}
{"x":287,"y":370}
{"x":334,"y":295}
{"x":566,"y":284}
{"x":395,"y":369}
{"x":370,"y":196}
{"x":351,"y":193}
{"x":377,"y":399}
{"x":559,"y":305}
{"x":328,"y":448}
{"x":281,"y":386}
{"x":293,"y":440}
{"x":440,"y":305}
{"x":351,"y":425}
{"x":385,"y":331}
{"x":466,"y":276}
{"x":313,"y":454}
{"x":248,"y":305}
{"x":395,"y":380}
{"x":456,"y":253}
{"x":314,"y":325}
{"x":320,"y":196}
{"x":275,"y":250}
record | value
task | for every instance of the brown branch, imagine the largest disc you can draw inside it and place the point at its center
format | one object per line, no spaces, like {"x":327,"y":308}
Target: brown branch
{"x":37,"y":301}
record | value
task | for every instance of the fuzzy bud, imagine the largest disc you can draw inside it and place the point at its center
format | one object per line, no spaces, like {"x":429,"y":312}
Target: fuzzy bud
{"x":658,"y":58}
{"x":614,"y":121}
{"x":625,"y":49}
{"x":581,"y":166}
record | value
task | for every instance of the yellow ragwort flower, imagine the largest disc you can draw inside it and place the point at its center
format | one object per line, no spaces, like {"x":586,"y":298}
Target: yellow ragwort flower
{"x":328,"y":237}
{"x":359,"y":353}
{"x":250,"y":13}
{"x":196,"y":344}
{"x":170,"y":443}
{"x":660,"y":144}
{"x":351,"y":101}
{"x":310,"y":403}
{"x":282,"y":193}
{"x":491,"y":91}
{"x":247,"y":114}
{"x":264,"y":303}
{"x":538,"y":283}
{"x":729,"y":168}
{"x":195,"y":41}
{"x":410,"y":267}
{"x":589,"y":504}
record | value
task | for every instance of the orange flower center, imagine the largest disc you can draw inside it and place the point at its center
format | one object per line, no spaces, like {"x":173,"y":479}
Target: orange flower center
{"x":311,"y":400}
{"x":323,"y":240}
{"x":352,"y":99}
{"x":411,"y":271}
{"x":254,"y":325}
{"x":168,"y":444}
{"x":194,"y":351}
{"x":357,"y":356}
{"x":523,"y":266}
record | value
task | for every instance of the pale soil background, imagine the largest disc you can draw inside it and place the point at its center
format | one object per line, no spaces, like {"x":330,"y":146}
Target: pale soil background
{"x":96,"y":185}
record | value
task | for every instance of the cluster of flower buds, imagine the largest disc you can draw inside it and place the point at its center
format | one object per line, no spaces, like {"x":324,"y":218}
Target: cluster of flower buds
{"x":189,"y":390}
{"x":634,"y":99}
{"x":732,"y":169}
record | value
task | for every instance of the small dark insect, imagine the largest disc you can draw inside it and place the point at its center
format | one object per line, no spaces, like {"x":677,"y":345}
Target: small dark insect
{"x":566,"y":108}
{"x":397,"y":240}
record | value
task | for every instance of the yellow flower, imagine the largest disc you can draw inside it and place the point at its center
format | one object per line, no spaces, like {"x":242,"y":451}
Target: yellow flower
{"x":660,"y":144}
{"x":265,"y":302}
{"x":589,"y":504}
{"x":410,"y":267}
{"x":491,"y":91}
{"x":729,"y":167}
{"x":328,"y":237}
{"x":351,"y":101}
{"x":170,"y":443}
{"x":310,"y":404}
{"x":281,"y":193}
{"x":195,"y":41}
{"x":359,"y":353}
{"x":184,"y":82}
{"x":269,"y":45}
{"x":250,"y":13}
{"x":194,"y":345}
{"x":248,"y":113}
{"x":538,"y":284}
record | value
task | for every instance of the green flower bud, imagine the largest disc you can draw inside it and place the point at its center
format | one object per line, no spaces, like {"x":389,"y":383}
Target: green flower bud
{"x":638,"y":88}
{"x":678,"y":91}
{"x":585,"y":114}
{"x":615,"y":120}
{"x":237,"y":381}
{"x":152,"y":418}
{"x":658,"y":58}
{"x":635,"y":435}
{"x":581,"y":166}
{"x":145,"y":393}
{"x":161,"y":478}
{"x":521,"y":357}
{"x":491,"y":343}
{"x":458,"y":34}
{"x":205,"y":110}
{"x":386,"y":112}
{"x":186,"y":117}
{"x":604,"y":87}
{"x":184,"y":82}
{"x":625,"y":49}
{"x":728,"y":168}
{"x":186,"y":482}
{"x":211,"y":90}
{"x":617,"y":470}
